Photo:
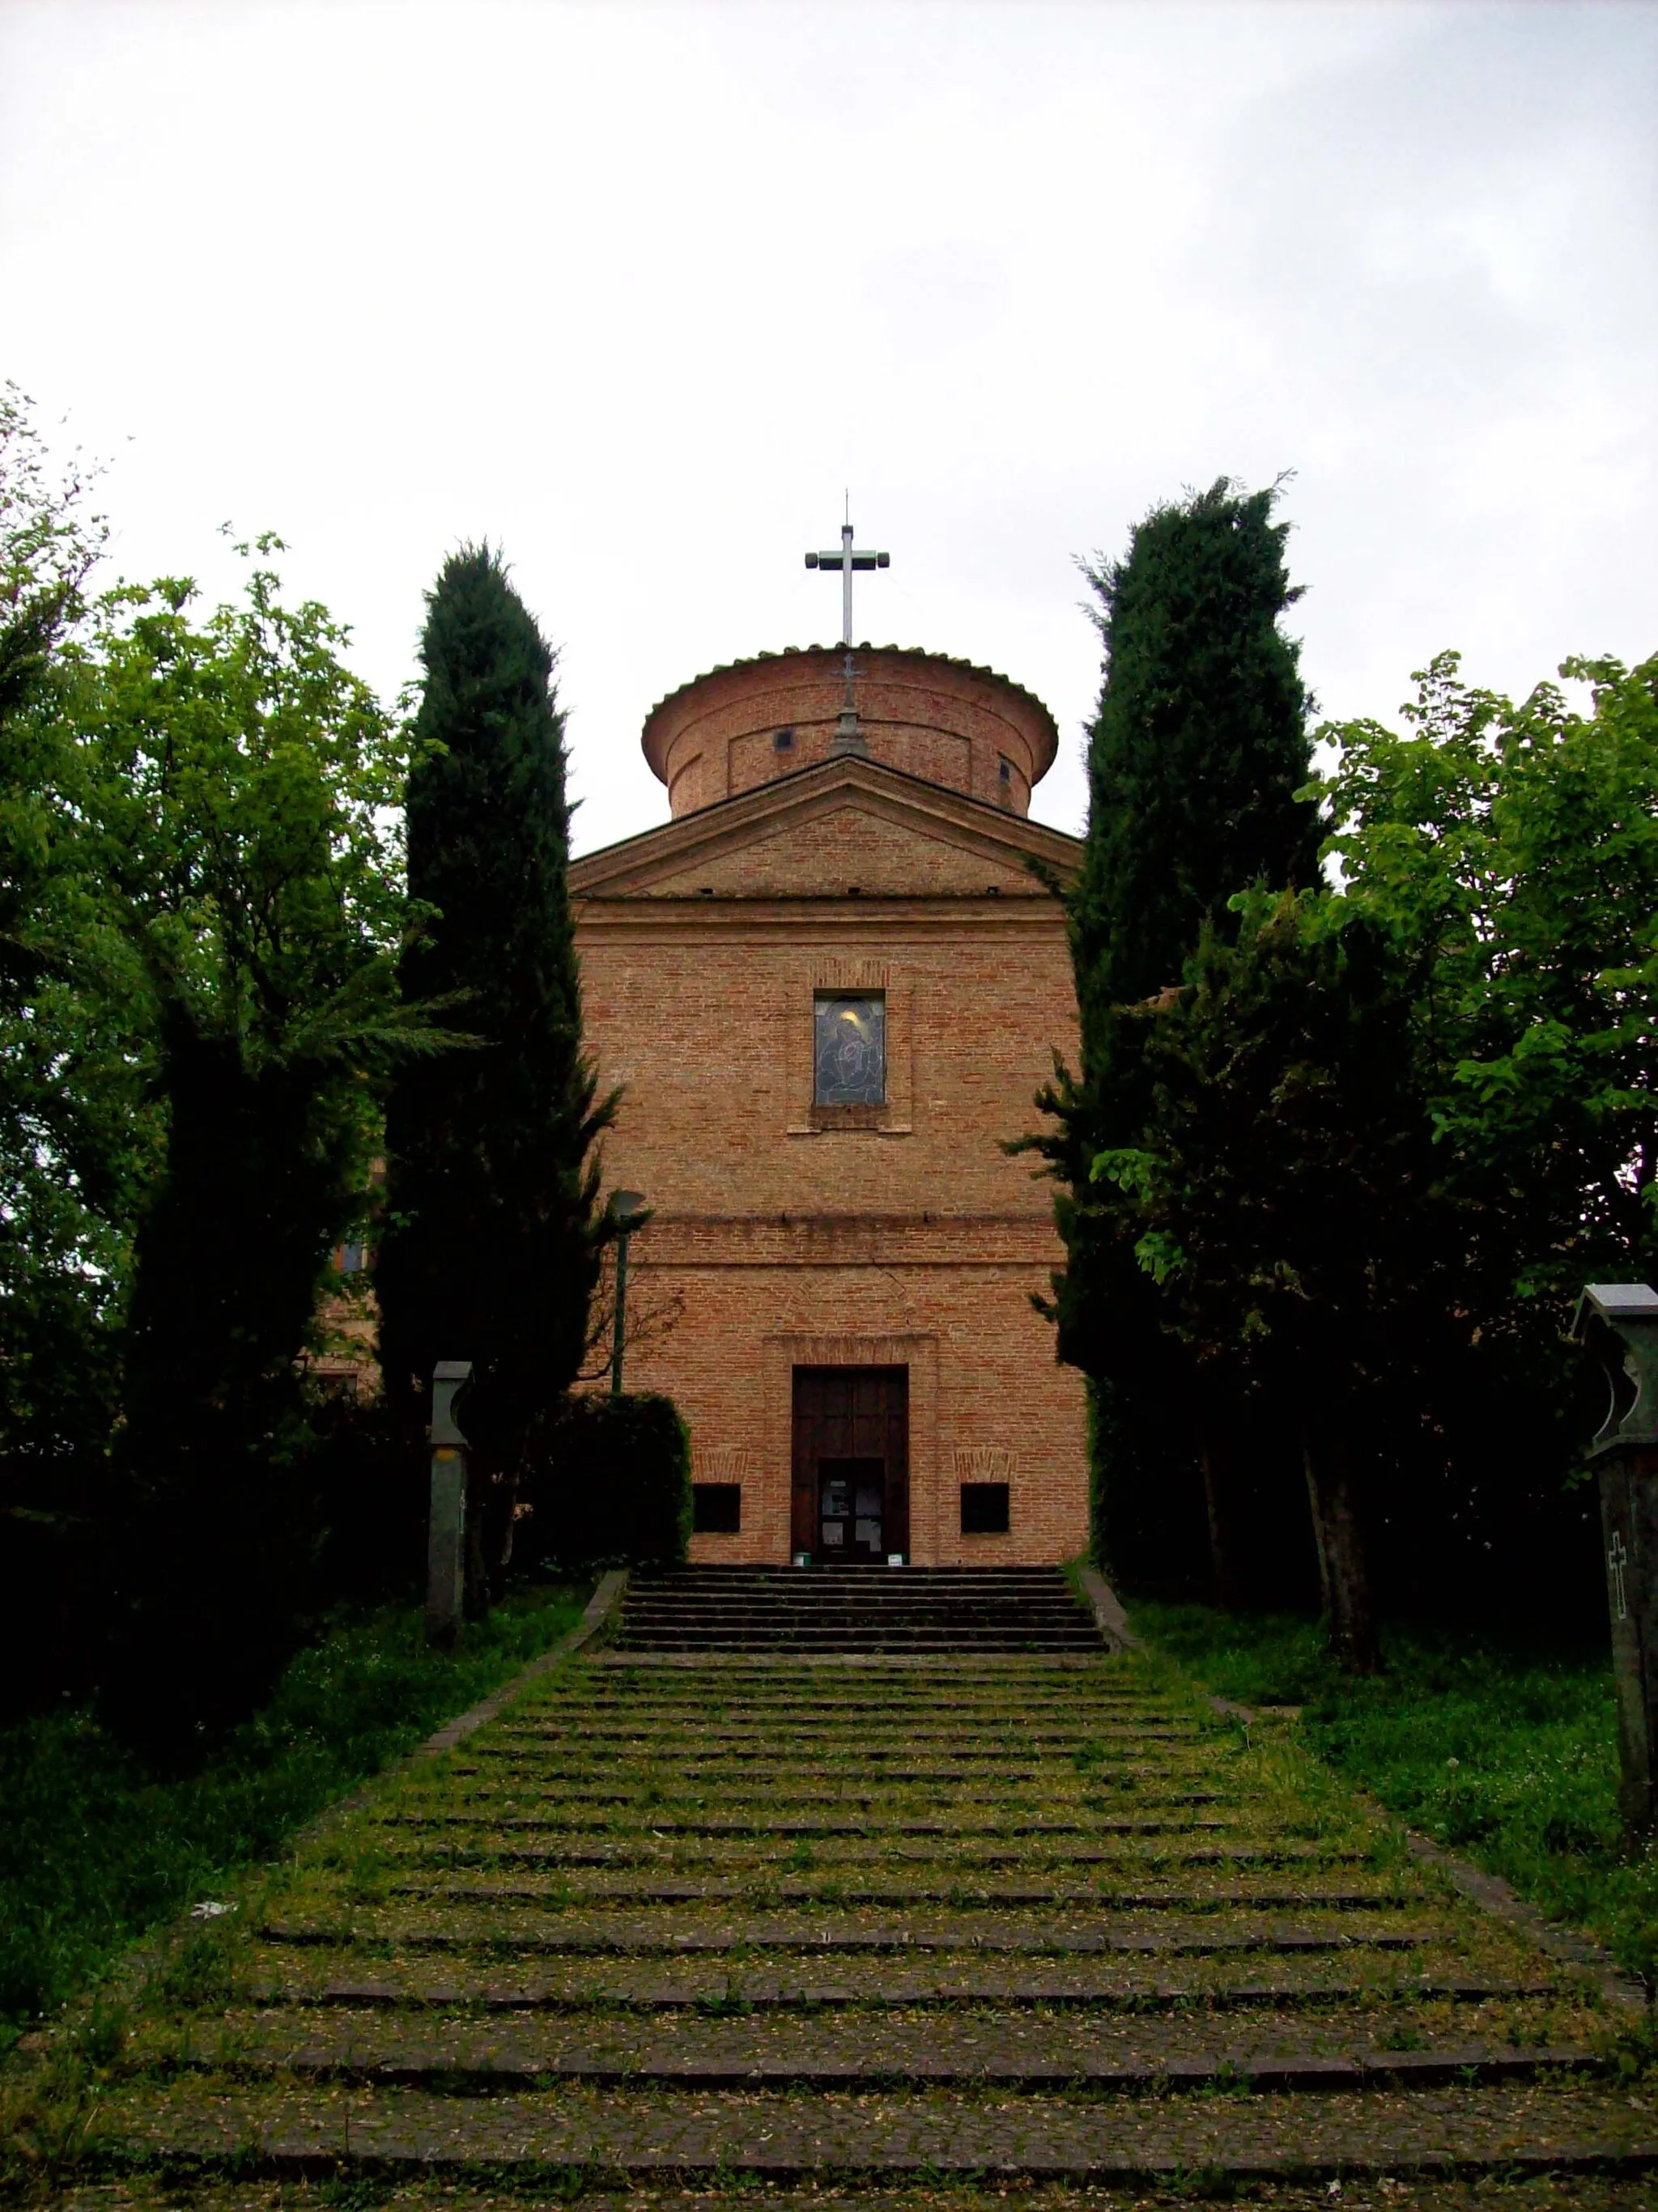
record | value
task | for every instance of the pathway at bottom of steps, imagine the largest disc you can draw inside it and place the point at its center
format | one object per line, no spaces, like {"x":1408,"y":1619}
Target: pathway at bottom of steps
{"x":736,"y":1925}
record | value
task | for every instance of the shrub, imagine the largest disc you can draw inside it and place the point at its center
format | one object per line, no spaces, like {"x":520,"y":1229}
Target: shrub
{"x":611,"y":1486}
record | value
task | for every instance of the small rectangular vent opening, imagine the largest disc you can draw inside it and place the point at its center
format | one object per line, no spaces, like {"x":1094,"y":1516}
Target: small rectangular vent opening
{"x":984,"y":1508}
{"x":717,"y":1508}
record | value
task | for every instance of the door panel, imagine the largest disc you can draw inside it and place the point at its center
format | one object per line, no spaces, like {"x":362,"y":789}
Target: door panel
{"x":847,"y":1415}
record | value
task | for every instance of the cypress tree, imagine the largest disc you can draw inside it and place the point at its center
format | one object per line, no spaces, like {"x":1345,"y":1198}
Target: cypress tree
{"x":1197,"y":749}
{"x":494,"y":1230}
{"x":1196,"y":754}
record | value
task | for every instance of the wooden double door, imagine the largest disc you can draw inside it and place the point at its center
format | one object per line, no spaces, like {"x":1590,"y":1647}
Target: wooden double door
{"x":851,"y":1470}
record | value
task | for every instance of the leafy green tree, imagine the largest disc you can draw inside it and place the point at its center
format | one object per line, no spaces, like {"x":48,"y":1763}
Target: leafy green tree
{"x":237,"y":780}
{"x":1516,"y":847}
{"x":1198,"y":757}
{"x":76,"y":1137}
{"x":494,"y":1228}
{"x":1284,"y":1202}
{"x":1386,"y":1134}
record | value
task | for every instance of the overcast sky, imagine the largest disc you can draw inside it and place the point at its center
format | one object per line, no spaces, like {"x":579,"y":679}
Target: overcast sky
{"x":636,"y":290}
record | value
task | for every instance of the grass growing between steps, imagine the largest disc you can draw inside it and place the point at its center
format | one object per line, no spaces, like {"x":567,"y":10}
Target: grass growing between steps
{"x":95,"y":1849}
{"x":1505,"y":1752}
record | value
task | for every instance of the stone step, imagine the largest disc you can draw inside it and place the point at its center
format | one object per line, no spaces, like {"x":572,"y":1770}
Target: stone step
{"x":1392,"y":1989}
{"x":849,"y":1639}
{"x":665,"y":1823}
{"x":506,"y":1763}
{"x":786,"y":1613}
{"x":1463,"y":2129}
{"x":911,"y":1586}
{"x":504,"y":1852}
{"x":917,"y":1610}
{"x":870,"y":1743}
{"x":963,"y":1613}
{"x":677,"y":1828}
{"x":1148,"y":1745}
{"x":702,"y":1574}
{"x":1164,"y":2053}
{"x":1063,"y":1929}
{"x":503,"y":1769}
{"x":457,"y":1928}
{"x":783,"y":1890}
{"x":1116,"y":1795}
{"x":749,"y":1689}
{"x":912,"y":1592}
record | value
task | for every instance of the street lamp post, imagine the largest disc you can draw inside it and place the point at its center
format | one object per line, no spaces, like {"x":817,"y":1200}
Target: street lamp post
{"x":627,"y":1206}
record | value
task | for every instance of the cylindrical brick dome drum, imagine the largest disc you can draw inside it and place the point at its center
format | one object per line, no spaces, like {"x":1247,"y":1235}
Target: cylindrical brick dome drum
{"x":945,"y":722}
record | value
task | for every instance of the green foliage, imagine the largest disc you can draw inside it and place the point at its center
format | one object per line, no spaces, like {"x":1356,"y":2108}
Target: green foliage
{"x":610,"y":1484}
{"x":1198,"y":752}
{"x":1365,"y":1157}
{"x":1507,"y":1751}
{"x":77,"y":1135}
{"x":96,"y":1847}
{"x":1282,"y":1196}
{"x":1198,"y":760}
{"x":236,"y":780}
{"x":1281,"y":1201}
{"x":494,"y":1230}
{"x":200,"y":915}
{"x":1515,"y":850}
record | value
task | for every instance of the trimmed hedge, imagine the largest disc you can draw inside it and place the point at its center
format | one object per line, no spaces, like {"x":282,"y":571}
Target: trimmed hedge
{"x":613,"y":1490}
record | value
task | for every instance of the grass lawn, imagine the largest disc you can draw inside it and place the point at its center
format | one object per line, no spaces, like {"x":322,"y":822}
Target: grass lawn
{"x":1506,"y":1752}
{"x":94,"y":1850}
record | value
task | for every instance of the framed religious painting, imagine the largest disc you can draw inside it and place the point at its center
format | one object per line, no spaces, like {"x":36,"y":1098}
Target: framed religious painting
{"x":849,"y":1049}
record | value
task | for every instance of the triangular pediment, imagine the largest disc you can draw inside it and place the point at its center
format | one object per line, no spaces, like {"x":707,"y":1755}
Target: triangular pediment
{"x":845,"y":826}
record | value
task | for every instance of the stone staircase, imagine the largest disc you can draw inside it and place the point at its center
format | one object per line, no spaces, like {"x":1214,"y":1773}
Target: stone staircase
{"x":732,"y":1923}
{"x":864,"y":1608}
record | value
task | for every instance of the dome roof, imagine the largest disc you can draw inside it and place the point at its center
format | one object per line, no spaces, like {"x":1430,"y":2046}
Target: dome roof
{"x":947,"y":721}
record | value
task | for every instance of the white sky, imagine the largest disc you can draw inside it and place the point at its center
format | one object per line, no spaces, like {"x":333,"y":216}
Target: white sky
{"x":635,"y":290}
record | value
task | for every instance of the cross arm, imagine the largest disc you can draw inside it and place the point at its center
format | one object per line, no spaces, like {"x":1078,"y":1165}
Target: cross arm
{"x":859,"y":561}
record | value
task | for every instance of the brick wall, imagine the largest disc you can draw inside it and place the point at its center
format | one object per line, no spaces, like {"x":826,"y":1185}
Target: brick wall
{"x":791,"y":1239}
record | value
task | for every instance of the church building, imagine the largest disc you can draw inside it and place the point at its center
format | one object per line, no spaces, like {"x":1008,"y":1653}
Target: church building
{"x":829,"y":986}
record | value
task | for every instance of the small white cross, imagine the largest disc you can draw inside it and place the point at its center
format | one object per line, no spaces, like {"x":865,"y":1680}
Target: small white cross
{"x":1617,"y":1559}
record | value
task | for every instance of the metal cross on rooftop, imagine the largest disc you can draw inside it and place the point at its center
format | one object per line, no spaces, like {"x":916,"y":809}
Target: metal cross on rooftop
{"x":849,"y":558}
{"x":848,"y":738}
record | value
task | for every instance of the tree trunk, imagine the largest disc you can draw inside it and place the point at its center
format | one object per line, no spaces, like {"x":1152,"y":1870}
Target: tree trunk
{"x":1343,"y":1573}
{"x":1216,"y":1458}
{"x":503,"y":1514}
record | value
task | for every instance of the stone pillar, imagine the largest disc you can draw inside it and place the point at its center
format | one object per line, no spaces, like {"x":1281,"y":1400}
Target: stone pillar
{"x":1619,"y":1323}
{"x":446,"y":1547}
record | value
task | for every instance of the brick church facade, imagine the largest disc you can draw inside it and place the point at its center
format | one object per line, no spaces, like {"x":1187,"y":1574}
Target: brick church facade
{"x":831,"y":984}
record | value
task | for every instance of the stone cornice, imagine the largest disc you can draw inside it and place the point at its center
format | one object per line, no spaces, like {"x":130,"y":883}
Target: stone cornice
{"x":874,"y":1240}
{"x":843,"y":921}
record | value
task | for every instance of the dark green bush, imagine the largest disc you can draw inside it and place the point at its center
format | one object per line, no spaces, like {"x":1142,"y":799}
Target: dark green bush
{"x":612,"y":1488}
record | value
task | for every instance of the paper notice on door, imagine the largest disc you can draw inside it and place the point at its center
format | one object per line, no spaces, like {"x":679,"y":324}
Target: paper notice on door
{"x":834,"y":1532}
{"x":867,"y":1532}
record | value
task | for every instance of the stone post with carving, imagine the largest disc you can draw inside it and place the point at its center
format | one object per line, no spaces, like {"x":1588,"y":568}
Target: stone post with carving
{"x":1618,"y":1324}
{"x":446,"y":1546}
